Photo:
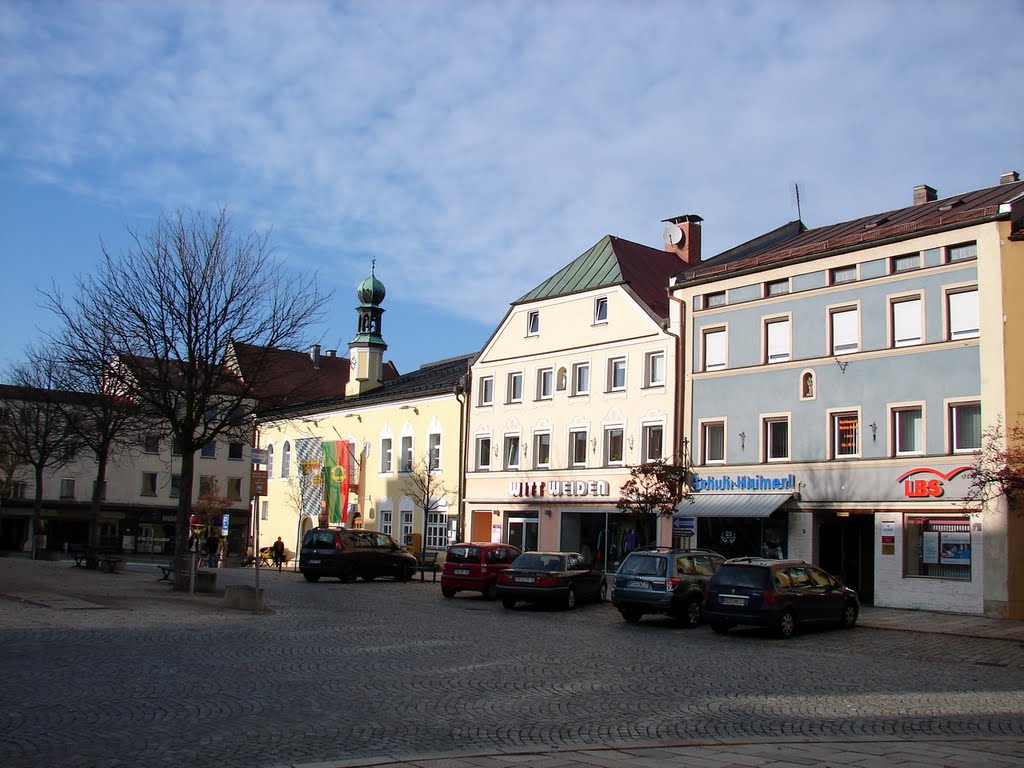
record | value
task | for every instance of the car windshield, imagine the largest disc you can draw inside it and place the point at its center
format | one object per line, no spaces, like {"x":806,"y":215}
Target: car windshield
{"x":463,"y":554}
{"x":643,"y":565}
{"x":741,"y":576}
{"x":536,"y":562}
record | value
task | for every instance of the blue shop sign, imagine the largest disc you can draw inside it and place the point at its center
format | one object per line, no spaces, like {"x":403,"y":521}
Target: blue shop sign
{"x":743,"y":483}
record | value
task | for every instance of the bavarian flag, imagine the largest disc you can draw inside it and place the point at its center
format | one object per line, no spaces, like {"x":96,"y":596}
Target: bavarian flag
{"x":337,"y":462}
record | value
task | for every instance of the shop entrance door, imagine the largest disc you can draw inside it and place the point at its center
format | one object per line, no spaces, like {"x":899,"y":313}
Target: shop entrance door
{"x":523,"y":533}
{"x":846,"y":551}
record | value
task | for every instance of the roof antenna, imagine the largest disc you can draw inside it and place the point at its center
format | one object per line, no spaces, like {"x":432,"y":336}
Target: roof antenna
{"x":797,"y":188}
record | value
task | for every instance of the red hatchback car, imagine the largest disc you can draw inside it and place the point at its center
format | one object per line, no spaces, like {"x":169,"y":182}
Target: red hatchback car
{"x":475,"y":566}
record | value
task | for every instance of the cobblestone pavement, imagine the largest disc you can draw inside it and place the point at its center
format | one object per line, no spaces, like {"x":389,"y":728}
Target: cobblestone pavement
{"x":105,"y":670}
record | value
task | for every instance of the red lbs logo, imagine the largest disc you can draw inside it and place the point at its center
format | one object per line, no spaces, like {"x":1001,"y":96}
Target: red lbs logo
{"x":923,"y":488}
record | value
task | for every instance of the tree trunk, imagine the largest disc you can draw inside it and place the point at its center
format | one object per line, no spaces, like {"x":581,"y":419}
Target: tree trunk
{"x":183,"y":559}
{"x":96,"y":501}
{"x":37,"y":513}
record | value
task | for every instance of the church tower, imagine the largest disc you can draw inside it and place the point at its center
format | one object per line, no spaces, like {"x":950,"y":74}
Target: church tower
{"x":366,"y":350}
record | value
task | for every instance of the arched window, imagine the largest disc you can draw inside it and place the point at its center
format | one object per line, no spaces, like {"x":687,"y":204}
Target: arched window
{"x":286,"y":459}
{"x":270,"y":461}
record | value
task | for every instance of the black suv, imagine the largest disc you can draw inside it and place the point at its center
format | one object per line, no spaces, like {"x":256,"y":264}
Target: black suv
{"x":345,"y":554}
{"x":666,"y":581}
{"x":780,"y":594}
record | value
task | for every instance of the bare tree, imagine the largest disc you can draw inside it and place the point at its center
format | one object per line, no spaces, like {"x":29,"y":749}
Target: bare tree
{"x":38,"y":430}
{"x":179,"y":296}
{"x":427,"y":490}
{"x":107,"y":424}
{"x":998,"y":469}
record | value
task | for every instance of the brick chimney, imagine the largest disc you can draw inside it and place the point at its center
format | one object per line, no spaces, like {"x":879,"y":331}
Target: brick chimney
{"x":925,"y":194}
{"x":1009,"y":177}
{"x":682,"y":237}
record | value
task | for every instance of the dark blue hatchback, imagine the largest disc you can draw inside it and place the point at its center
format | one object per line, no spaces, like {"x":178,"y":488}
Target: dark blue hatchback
{"x":781,"y":594}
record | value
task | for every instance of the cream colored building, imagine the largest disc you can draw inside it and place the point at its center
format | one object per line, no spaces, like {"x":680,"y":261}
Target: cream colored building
{"x":575,"y":386}
{"x":404,"y":442}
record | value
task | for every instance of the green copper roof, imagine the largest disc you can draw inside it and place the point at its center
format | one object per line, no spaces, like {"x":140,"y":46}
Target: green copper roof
{"x":597,"y":267}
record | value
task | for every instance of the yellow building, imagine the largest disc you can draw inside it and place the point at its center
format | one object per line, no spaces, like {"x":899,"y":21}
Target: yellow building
{"x":391,"y":442}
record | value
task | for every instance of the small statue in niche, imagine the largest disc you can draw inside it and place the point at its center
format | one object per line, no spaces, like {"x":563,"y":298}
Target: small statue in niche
{"x":807,"y":387}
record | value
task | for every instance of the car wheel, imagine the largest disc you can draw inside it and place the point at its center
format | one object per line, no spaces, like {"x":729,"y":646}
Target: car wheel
{"x":849,"y":616}
{"x":720,"y":627}
{"x":631,"y":615}
{"x":508,"y":602}
{"x":570,"y":598}
{"x":491,"y":592}
{"x":786,"y":627}
{"x":447,"y":591}
{"x":692,"y":615}
{"x":406,"y":574}
{"x":311,"y":576}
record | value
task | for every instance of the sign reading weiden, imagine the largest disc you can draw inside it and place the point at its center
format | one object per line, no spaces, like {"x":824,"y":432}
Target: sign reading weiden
{"x":541,"y":488}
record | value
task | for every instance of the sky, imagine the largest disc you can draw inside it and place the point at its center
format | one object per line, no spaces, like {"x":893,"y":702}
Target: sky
{"x":472,"y":149}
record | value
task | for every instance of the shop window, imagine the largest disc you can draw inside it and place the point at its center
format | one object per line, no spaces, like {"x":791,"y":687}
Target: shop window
{"x":937,"y":547}
{"x":845,"y":435}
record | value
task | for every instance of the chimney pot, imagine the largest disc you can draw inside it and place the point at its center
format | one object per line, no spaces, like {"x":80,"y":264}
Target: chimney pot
{"x":688,"y":247}
{"x":314,"y":355}
{"x":1009,"y":177}
{"x":330,"y":352}
{"x":925,"y":194}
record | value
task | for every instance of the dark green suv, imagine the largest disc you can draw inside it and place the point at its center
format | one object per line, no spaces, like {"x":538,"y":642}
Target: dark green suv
{"x":346,"y":553}
{"x":664,"y":581}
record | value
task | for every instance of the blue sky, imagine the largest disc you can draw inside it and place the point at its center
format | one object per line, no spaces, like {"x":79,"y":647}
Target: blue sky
{"x":473,"y":149}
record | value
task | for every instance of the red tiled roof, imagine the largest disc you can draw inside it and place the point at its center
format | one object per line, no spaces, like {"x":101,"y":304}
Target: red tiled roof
{"x":900,"y":223}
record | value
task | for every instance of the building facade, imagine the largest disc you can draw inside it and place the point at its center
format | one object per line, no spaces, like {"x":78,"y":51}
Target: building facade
{"x":837,"y":385}
{"x":574,"y":387}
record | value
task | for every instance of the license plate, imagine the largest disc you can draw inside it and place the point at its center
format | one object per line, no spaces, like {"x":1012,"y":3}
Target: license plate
{"x":314,"y":562}
{"x":639,"y":585}
{"x":734,"y":601}
{"x":461,"y":571}
{"x":524,"y":579}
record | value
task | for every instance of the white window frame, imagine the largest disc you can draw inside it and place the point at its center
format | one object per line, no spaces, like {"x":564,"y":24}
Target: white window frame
{"x":834,"y":442}
{"x":896,"y":411}
{"x":778,"y":339}
{"x":483,"y":457}
{"x":654,"y":369}
{"x":776,"y":287}
{"x":906,"y":320}
{"x":511,"y":451}
{"x":387,"y":519}
{"x":968,"y":324}
{"x":961,"y":252}
{"x":719,"y":362}
{"x":953,"y":438}
{"x":705,"y":426}
{"x":406,"y":460}
{"x":209,"y":450}
{"x":580,"y":379}
{"x":538,"y":439}
{"x":545,"y":383}
{"x":434,"y":451}
{"x":905,"y":262}
{"x":843,"y":345}
{"x":838,"y":275}
{"x":646,"y":432}
{"x":769,"y":421}
{"x":437,"y":529}
{"x":578,"y":437}
{"x":609,"y":433}
{"x":286,"y":459}
{"x":264,"y":510}
{"x":486,"y":390}
{"x":616,"y":365}
{"x":387,"y":455}
{"x":600,"y":310}
{"x":406,"y":513}
{"x":514,"y":384}
{"x":532,"y":323}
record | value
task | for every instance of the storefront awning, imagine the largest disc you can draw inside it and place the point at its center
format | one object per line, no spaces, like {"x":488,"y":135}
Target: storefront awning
{"x":733,"y":504}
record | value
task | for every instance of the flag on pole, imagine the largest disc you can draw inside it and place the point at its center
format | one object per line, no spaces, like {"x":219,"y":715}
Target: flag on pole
{"x":337,"y":465}
{"x":310,"y":457}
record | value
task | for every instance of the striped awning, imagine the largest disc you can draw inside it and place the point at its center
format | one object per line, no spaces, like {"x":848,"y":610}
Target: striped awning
{"x":732,"y":504}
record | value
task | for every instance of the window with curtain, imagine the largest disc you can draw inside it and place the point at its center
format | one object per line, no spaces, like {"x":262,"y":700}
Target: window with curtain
{"x":907,"y":430}
{"x":713,"y":443}
{"x":965,"y":421}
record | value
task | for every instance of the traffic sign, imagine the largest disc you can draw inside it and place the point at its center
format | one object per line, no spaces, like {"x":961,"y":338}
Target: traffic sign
{"x":259,"y":455}
{"x":258,"y":482}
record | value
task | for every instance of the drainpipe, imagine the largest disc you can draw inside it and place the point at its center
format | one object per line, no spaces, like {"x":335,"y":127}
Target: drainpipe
{"x":678,"y":384}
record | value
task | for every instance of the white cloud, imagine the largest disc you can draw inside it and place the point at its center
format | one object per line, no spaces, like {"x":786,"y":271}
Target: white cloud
{"x":477,"y":147}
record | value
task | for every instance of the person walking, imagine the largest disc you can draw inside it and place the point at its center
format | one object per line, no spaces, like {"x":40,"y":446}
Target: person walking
{"x":278,"y":553}
{"x":212,"y":545}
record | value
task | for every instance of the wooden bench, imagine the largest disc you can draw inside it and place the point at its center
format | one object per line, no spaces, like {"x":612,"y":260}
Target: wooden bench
{"x":82,"y":559}
{"x":168,"y":571}
{"x":427,"y":562}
